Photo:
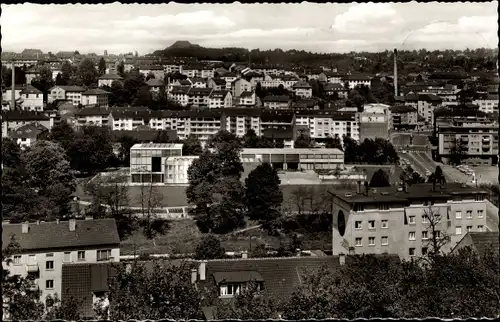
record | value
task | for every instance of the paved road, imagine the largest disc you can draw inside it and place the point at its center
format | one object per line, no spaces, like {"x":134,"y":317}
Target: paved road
{"x":403,"y":139}
{"x":491,"y":216}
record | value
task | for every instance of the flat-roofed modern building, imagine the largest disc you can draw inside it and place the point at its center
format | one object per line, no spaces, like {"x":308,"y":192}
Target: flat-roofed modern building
{"x":386,"y":220}
{"x":288,"y":158}
{"x":148,"y":161}
{"x":176,"y":169}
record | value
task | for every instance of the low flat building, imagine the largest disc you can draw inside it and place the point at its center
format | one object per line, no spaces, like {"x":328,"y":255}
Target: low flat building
{"x":176,"y":169}
{"x":288,"y":158}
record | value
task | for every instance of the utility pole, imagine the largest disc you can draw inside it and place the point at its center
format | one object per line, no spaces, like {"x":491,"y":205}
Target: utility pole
{"x":13,"y":94}
{"x":395,"y":72}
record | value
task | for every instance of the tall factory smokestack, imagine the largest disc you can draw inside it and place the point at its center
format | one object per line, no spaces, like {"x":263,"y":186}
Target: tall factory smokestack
{"x":13,"y":96}
{"x":395,"y":72}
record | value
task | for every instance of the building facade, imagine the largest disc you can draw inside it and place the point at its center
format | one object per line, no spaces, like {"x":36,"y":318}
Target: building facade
{"x":287,"y":158}
{"x":148,"y":161}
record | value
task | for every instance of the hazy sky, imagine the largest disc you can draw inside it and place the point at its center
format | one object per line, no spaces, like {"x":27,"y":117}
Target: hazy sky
{"x":313,"y":27}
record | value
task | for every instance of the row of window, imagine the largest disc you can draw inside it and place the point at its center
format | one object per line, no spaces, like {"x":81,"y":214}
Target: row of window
{"x":480,"y":214}
{"x":102,"y":255}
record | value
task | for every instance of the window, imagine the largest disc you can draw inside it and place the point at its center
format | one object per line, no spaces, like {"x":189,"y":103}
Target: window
{"x":358,"y":241}
{"x":49,"y":255}
{"x":371,"y":224}
{"x":357,"y":225}
{"x":49,"y":284}
{"x":385,"y":240}
{"x":81,"y":255}
{"x":480,"y":213}
{"x":383,"y":207}
{"x":458,"y":214}
{"x":437,"y":234}
{"x":371,"y":241}
{"x":480,"y":228}
{"x":469,"y":228}
{"x":424,"y":250}
{"x":424,"y":235}
{"x":479,"y":198}
{"x":411,"y":220}
{"x":49,"y":265}
{"x":458,"y":230}
{"x":411,"y":251}
{"x":425,"y":220}
{"x":103,"y":255}
{"x":385,"y":223}
{"x":411,"y":235}
{"x":17,"y":260}
{"x":67,"y":257}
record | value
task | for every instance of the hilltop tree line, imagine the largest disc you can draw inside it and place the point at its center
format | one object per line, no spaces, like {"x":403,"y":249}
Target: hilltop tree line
{"x":459,"y":285}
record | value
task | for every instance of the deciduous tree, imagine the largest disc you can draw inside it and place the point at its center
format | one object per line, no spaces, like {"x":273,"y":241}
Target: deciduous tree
{"x":102,"y":66}
{"x":87,"y":73}
{"x":191,"y":146}
{"x":209,"y":247}
{"x":380,"y":179}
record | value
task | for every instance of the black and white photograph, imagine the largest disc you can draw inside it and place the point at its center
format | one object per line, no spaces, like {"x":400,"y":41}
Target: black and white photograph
{"x":255,"y":161}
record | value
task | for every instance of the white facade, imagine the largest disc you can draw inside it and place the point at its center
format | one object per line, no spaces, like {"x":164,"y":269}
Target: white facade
{"x":176,"y":169}
{"x":323,"y":126}
{"x":32,"y":101}
{"x":487,"y":105}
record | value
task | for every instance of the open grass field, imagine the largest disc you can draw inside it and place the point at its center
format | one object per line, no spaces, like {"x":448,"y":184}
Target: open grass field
{"x":183,"y":236}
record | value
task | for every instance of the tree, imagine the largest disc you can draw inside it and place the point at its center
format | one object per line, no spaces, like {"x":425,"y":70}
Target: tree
{"x":380,"y":179}
{"x":264,"y":196}
{"x":209,"y":247}
{"x":458,"y":151}
{"x":133,"y":82}
{"x":102,"y":66}
{"x":333,"y":143}
{"x":192,"y":146}
{"x":351,"y":150}
{"x":11,"y":153}
{"x":150,"y":76}
{"x":59,"y":80}
{"x":143,"y":96}
{"x":87,"y":73}
{"x":126,"y":143}
{"x":436,"y":225}
{"x":250,"y":139}
{"x":249,"y":304}
{"x":121,"y":69}
{"x":159,"y":292}
{"x":43,"y":81}
{"x":67,"y":72}
{"x":68,"y":309}
{"x":21,"y":296}
{"x":303,"y":142}
{"x":50,"y":176}
{"x":151,"y":201}
{"x":63,"y":134}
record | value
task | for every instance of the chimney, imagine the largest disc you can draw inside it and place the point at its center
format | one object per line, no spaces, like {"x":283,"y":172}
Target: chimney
{"x":72,"y":224}
{"x":358,"y":190}
{"x":395,"y":72}
{"x":57,"y":221}
{"x":25,"y":227}
{"x":13,"y":96}
{"x":366,"y":188}
{"x":342,"y":259}
{"x":244,"y":254}
{"x":203,"y":270}
{"x":194,"y":275}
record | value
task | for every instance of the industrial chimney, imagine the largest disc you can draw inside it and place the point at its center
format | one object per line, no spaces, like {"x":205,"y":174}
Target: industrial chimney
{"x":395,"y":72}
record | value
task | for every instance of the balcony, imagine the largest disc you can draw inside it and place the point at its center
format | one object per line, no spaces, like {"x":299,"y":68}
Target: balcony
{"x":32,"y":268}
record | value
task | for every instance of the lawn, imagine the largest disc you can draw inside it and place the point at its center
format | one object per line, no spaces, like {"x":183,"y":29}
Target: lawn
{"x":183,"y":236}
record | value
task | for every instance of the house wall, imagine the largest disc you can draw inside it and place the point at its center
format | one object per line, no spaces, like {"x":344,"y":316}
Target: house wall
{"x":32,"y":102}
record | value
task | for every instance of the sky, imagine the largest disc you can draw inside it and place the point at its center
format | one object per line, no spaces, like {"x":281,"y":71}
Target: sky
{"x":120,"y":28}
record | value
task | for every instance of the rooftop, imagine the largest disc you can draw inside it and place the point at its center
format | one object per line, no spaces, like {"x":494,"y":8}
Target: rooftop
{"x":111,"y":76}
{"x":291,"y":151}
{"x":50,"y":235}
{"x":95,"y":91}
{"x":157,"y":146}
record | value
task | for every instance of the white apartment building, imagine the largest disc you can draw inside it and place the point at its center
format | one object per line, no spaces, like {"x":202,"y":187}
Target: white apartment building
{"x":229,"y":78}
{"x":302,"y":89}
{"x":93,"y":116}
{"x":324,"y":124}
{"x":172,"y":68}
{"x":247,"y":98}
{"x":176,"y":169}
{"x":487,"y":104}
{"x":32,"y":99}
{"x":239,"y":121}
{"x":220,"y":99}
{"x":46,"y":246}
{"x":157,"y":71}
{"x":198,"y":82}
{"x":180,"y":95}
{"x":355,"y":80}
{"x":240,"y":86}
{"x":69,"y":93}
{"x":108,"y":79}
{"x":96,"y":97}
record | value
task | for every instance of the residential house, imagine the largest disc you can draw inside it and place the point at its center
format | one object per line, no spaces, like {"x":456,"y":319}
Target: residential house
{"x":108,"y":79}
{"x":206,"y":72}
{"x":404,"y":117}
{"x":32,"y":98}
{"x":355,"y":80}
{"x":281,"y":102}
{"x":385,"y":220}
{"x":247,"y":99}
{"x":157,"y":70}
{"x":13,"y":119}
{"x":198,"y":82}
{"x":31,"y":74}
{"x":282,"y":134}
{"x":199,"y":97}
{"x":276,"y":119}
{"x":27,"y":135}
{"x":217,"y":84}
{"x":220,"y":99}
{"x":288,"y":81}
{"x":128,"y":119}
{"x":47,"y":246}
{"x":67,"y":112}
{"x":488,"y":103}
{"x":239,"y":120}
{"x":254,"y":78}
{"x":180,"y":95}
{"x":305,"y":104}
{"x":172,"y":68}
{"x":156,"y":86}
{"x":332,"y":88}
{"x":69,"y":93}
{"x":331,"y":77}
{"x":426,"y":105}
{"x":229,"y":78}
{"x":239,"y":86}
{"x":481,"y":243}
{"x":93,"y":116}
{"x":56,"y":69}
{"x":302,"y":89}
{"x":96,"y":97}
{"x":328,"y":123}
{"x":203,"y":124}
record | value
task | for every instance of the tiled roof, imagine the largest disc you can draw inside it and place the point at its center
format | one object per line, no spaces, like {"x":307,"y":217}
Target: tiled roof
{"x":28,"y":131}
{"x":16,"y":115}
{"x":277,"y":98}
{"x":334,"y":87}
{"x":483,"y":241}
{"x":402,"y":109}
{"x":281,"y":133}
{"x":302,"y":84}
{"x":219,"y":81}
{"x":356,"y":77}
{"x":71,"y":88}
{"x":91,"y":111}
{"x":111,"y":76}
{"x":429,"y":98}
{"x":49,"y":235}
{"x":153,"y":82}
{"x":29,"y":89}
{"x":246,"y":94}
{"x":277,"y":116}
{"x":95,"y":91}
{"x":151,"y":67}
{"x":251,"y":112}
{"x":218,"y":94}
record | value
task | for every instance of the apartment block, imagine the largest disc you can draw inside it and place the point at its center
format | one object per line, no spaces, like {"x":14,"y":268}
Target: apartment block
{"x":329,"y":123}
{"x":404,"y":117}
{"x":46,"y":246}
{"x":96,"y":97}
{"x":388,"y":220}
{"x":239,"y":121}
{"x":69,"y":93}
{"x":32,"y":99}
{"x":374,"y":122}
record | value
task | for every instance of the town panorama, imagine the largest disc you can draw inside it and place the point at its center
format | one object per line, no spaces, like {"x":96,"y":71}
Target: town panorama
{"x":256,"y":161}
